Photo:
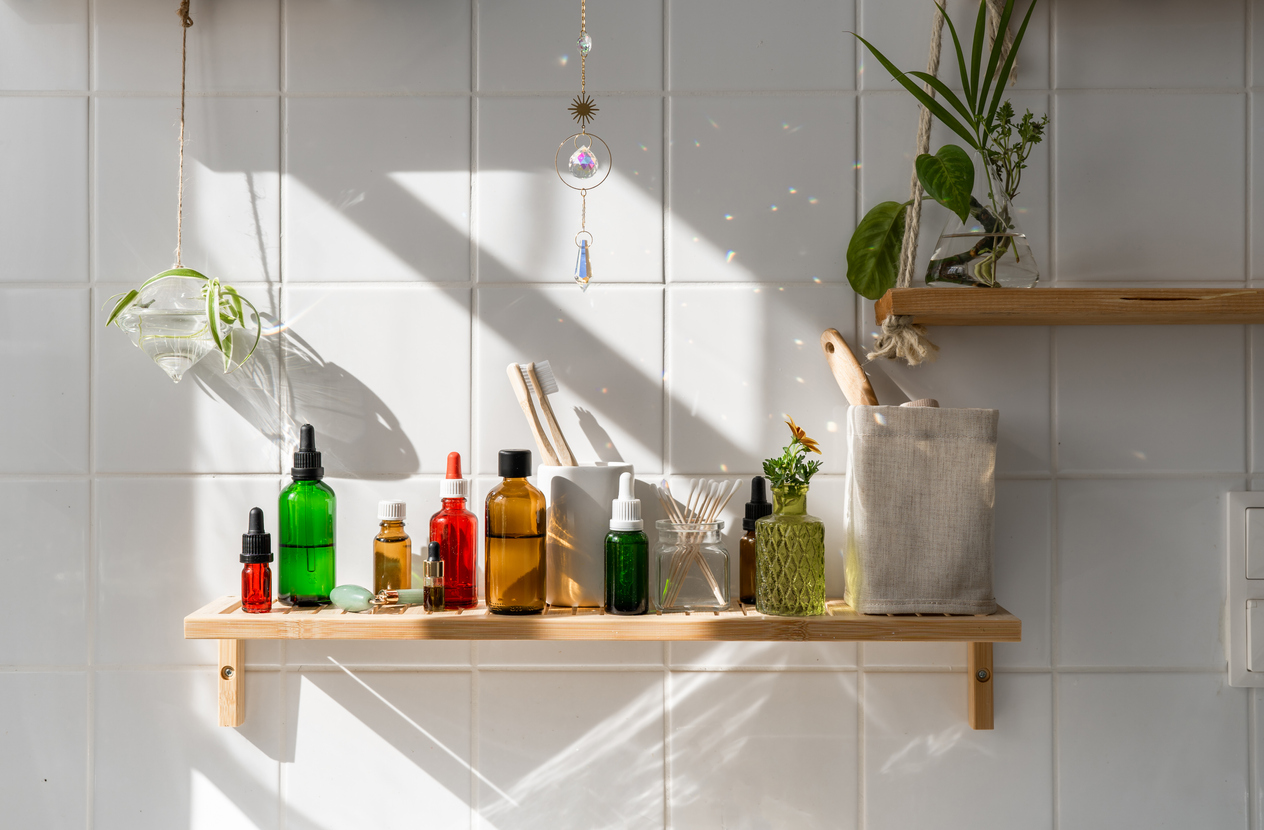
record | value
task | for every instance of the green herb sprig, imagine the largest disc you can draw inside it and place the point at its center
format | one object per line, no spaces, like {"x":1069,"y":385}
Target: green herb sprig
{"x":791,"y":470}
{"x":1011,"y":144}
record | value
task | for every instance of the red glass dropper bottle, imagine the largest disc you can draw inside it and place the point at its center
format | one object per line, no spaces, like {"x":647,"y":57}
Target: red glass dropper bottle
{"x":456,"y":531}
{"x":256,"y":571}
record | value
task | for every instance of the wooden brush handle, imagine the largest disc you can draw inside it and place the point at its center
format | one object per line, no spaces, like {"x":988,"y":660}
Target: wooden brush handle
{"x":851,"y":378}
{"x":524,"y":401}
{"x":563,"y":449}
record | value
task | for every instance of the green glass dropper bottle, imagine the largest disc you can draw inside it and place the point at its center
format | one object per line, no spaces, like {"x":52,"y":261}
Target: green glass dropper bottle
{"x":627,"y":555}
{"x":307,"y":510}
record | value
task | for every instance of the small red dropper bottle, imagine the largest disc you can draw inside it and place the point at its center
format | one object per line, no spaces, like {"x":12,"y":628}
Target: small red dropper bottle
{"x":456,"y":531}
{"x":256,"y":572}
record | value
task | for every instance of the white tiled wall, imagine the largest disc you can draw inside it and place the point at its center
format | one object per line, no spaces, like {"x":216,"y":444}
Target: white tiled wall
{"x":377,"y":177}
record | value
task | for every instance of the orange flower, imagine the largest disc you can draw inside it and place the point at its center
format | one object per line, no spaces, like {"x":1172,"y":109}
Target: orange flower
{"x":802,"y":437}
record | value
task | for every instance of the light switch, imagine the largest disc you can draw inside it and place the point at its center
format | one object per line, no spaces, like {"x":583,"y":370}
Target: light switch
{"x":1255,"y":635}
{"x":1255,"y":543}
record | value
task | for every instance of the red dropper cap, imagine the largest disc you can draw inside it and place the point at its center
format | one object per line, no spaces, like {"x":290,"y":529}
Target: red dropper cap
{"x":453,"y":486}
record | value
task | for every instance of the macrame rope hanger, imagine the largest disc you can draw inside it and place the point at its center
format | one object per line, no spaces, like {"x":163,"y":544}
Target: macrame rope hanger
{"x":900,"y":337}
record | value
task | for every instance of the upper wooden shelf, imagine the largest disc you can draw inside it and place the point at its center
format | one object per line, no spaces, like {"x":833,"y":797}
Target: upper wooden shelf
{"x":224,"y":619}
{"x":1073,"y":306}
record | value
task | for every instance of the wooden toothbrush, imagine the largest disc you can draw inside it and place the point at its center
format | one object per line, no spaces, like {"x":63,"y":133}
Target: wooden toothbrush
{"x":539,"y":376}
{"x":524,"y":400}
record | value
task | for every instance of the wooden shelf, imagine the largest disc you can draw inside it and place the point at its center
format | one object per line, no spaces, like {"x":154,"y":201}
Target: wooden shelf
{"x":1073,"y":306}
{"x":224,"y":620}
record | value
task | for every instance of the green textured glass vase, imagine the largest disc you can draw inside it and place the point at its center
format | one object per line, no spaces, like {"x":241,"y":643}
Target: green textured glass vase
{"x":790,"y":557}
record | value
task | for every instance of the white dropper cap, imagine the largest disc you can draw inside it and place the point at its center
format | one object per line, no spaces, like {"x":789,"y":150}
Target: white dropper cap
{"x":390,"y":511}
{"x":626,"y":514}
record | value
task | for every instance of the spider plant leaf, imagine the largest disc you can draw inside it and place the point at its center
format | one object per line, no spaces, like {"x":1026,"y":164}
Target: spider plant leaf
{"x":212,"y":315}
{"x":873,"y":255}
{"x":948,"y":177}
{"x":228,"y":352}
{"x":961,"y":60}
{"x":258,"y":329}
{"x":1006,"y":69}
{"x":994,"y":58}
{"x":947,"y":95}
{"x":122,"y":304}
{"x":936,"y":108}
{"x":976,"y":48}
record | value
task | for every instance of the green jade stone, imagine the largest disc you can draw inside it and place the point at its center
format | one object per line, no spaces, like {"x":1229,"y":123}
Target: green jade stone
{"x":352,"y":598}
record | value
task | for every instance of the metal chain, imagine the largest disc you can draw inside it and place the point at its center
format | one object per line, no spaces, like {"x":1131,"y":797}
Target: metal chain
{"x":583,"y":211}
{"x":583,"y":30}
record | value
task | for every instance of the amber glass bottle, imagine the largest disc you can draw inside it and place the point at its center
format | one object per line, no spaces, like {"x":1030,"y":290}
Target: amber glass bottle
{"x":392,"y":549}
{"x":514,"y":540}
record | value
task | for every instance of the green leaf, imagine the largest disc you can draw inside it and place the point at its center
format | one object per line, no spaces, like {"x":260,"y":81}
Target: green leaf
{"x":961,"y":60}
{"x":948,"y":95}
{"x":994,"y":58}
{"x":948,"y":177}
{"x":1006,"y":69}
{"x":936,"y":108}
{"x":228,"y":352}
{"x":873,"y":255}
{"x":122,"y":304}
{"x":976,"y":53}
{"x":258,"y":329}
{"x":212,"y":314}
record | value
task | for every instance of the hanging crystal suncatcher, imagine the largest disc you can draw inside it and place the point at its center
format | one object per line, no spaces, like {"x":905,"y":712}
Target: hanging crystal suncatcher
{"x":584,"y":166}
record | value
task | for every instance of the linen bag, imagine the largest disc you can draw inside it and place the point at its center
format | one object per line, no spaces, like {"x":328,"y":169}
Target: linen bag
{"x":920,"y":494}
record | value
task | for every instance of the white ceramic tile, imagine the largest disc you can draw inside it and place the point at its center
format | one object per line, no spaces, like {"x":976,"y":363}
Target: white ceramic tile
{"x":1151,"y":750}
{"x":1256,"y":336}
{"x":1177,"y":410}
{"x":403,"y":737}
{"x":43,"y":718}
{"x":400,"y":402}
{"x":548,"y":653}
{"x":760,"y":188}
{"x":1116,"y":220}
{"x":44,"y":169}
{"x":901,"y":31}
{"x":1017,"y":384}
{"x":162,"y":761}
{"x":1256,"y":265}
{"x":1120,"y":45}
{"x":377,"y":46}
{"x":888,"y":141}
{"x":164,"y":548}
{"x":233,"y":46}
{"x":750,"y":749}
{"x":1021,"y":579}
{"x":44,"y":45}
{"x":917,"y":740}
{"x":573,"y":749}
{"x":231,"y":193}
{"x":1141,"y":573}
{"x":531,"y":46}
{"x":742,"y":359}
{"x":208,"y":423}
{"x":45,"y":543}
{"x":527,"y":219}
{"x":44,"y":340}
{"x":605,"y":348}
{"x":377,"y":189}
{"x":799,"y":44}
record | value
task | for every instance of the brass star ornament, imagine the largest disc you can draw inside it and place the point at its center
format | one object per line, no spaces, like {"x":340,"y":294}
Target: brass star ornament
{"x":582,"y":110}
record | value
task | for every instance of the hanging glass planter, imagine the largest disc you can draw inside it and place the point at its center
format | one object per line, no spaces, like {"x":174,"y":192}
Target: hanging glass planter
{"x":179,"y":316}
{"x":989,"y":248}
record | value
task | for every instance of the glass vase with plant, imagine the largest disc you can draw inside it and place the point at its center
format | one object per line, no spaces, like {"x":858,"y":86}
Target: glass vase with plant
{"x":982,"y":245}
{"x":790,"y":543}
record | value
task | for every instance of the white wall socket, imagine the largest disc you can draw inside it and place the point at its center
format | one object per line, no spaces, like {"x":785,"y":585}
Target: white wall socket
{"x":1246,"y":589}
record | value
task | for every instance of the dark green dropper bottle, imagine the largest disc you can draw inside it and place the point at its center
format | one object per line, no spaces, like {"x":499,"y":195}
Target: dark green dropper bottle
{"x":307,"y":511}
{"x":627,"y":555}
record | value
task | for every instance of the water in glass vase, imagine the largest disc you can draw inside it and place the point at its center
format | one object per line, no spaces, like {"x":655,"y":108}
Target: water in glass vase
{"x":989,"y":249}
{"x":790,"y":557}
{"x":168,"y":322}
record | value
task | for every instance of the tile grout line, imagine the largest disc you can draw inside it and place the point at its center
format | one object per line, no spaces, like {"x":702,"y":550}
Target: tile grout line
{"x":91,"y":573}
{"x":283,"y":293}
{"x":665,"y":379}
{"x":474,"y":793}
{"x":858,"y":320}
{"x":1054,"y":594}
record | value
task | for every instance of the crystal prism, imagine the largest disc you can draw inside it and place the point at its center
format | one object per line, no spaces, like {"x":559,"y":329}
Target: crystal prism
{"x":584,"y":42}
{"x":583,"y":265}
{"x":583,"y":163}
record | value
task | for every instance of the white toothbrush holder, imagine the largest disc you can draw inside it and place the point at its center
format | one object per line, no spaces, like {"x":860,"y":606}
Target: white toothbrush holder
{"x":579,"y":505}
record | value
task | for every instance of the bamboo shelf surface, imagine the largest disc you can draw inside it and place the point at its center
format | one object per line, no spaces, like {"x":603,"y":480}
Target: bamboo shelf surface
{"x":1073,"y":306}
{"x":224,"y":620}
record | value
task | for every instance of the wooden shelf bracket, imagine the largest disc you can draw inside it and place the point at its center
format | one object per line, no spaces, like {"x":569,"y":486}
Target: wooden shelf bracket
{"x":232,"y":682}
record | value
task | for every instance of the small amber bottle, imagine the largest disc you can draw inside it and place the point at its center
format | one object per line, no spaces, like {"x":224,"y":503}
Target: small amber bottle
{"x":756,"y":508}
{"x":392,"y":549}
{"x":514,"y":540}
{"x":432,"y":598}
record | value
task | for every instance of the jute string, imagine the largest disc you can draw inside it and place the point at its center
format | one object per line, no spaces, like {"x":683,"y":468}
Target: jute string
{"x":185,"y":23}
{"x":900,"y":336}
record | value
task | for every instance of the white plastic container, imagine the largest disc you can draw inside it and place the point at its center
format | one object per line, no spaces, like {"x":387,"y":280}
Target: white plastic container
{"x":579,"y":501}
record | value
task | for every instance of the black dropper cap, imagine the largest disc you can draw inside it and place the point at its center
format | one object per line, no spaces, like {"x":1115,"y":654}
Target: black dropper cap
{"x":514,"y":463}
{"x":256,"y":546}
{"x":434,"y":552}
{"x":758,"y":506}
{"x":306,"y":458}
